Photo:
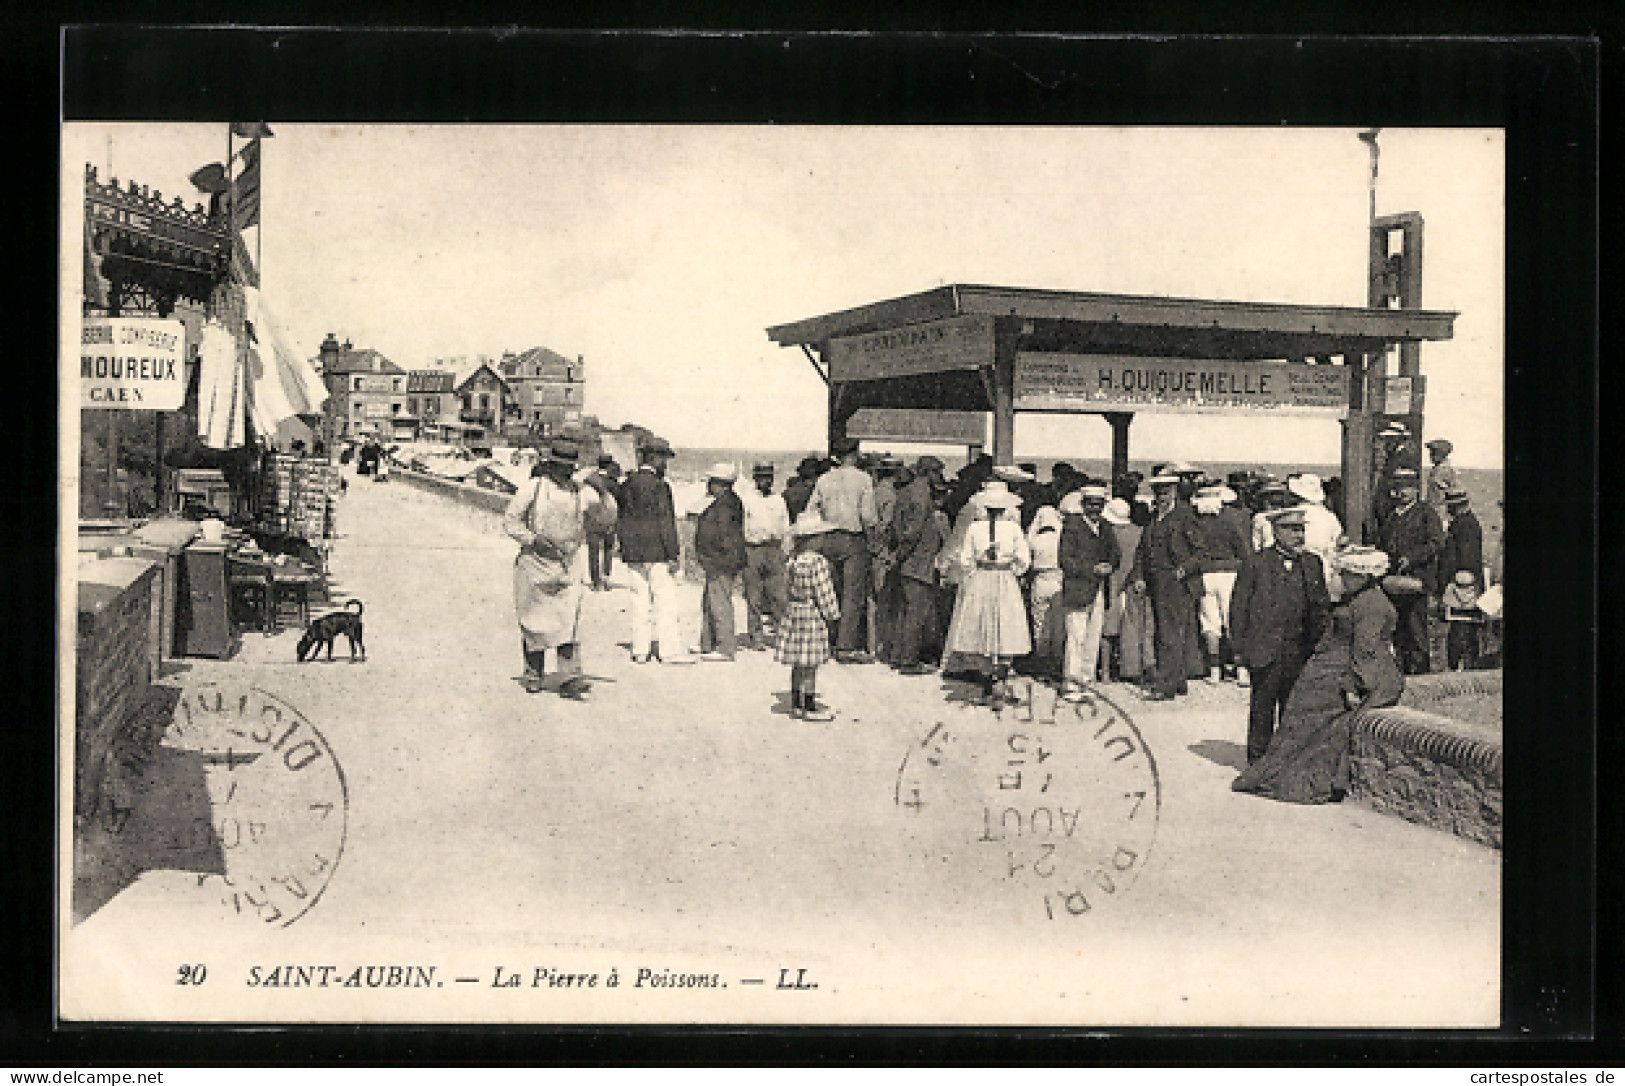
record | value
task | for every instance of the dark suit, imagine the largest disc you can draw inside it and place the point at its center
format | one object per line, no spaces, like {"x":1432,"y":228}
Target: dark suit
{"x":648,"y":525}
{"x":1416,"y":536}
{"x":917,"y":539}
{"x":1082,"y":548}
{"x":1463,"y":549}
{"x":1276,"y":616}
{"x":1166,"y":561}
{"x":719,"y":544}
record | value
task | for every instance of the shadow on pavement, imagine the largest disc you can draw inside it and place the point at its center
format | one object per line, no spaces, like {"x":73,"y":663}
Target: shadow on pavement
{"x":1221,"y":752}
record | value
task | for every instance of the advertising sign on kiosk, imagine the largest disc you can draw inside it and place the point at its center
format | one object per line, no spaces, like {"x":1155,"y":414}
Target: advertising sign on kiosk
{"x":133,"y":363}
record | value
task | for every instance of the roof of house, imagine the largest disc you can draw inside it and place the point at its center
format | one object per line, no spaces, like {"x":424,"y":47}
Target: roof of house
{"x":463,"y":380}
{"x":431,"y":381}
{"x":547,"y":359}
{"x":360,"y":360}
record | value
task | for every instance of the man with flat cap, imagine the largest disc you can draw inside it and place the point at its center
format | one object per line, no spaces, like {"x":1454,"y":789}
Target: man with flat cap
{"x":651,"y":553}
{"x":1441,"y":476}
{"x":1413,"y":540}
{"x":1463,"y":541}
{"x":798,"y":491}
{"x":547,"y":517}
{"x":845,"y":498}
{"x":916,"y":539}
{"x":1165,"y":567}
{"x":1278,"y":610}
{"x":767,"y":533}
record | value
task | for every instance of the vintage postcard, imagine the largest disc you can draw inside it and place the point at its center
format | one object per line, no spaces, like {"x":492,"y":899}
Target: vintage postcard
{"x":601,"y":573}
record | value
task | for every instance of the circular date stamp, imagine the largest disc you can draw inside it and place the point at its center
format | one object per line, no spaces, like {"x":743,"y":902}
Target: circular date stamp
{"x":277,"y":798}
{"x":1059,"y":799}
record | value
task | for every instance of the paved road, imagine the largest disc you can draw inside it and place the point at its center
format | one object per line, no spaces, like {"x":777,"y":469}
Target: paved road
{"x":681,"y":821}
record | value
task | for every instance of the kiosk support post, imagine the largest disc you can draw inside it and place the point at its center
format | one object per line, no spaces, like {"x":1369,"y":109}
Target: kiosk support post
{"x":1119,"y":421}
{"x":1004,"y":393}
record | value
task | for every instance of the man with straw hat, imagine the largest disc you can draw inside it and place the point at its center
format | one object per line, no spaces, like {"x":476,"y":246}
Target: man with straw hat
{"x":547,"y":517}
{"x":1165,"y":568}
{"x":1277,"y":610}
{"x":650,"y":553}
{"x":767,"y":533}
{"x":1088,"y":556}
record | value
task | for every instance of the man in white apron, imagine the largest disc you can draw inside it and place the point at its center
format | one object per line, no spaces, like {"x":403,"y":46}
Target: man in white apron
{"x":548,"y":519}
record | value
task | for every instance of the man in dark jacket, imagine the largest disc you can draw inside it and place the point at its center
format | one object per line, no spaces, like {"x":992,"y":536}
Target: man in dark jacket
{"x":602,"y":520}
{"x":1277,"y":612}
{"x":799,"y":490}
{"x":719,"y":544}
{"x":1413,"y":538}
{"x":650,"y":552}
{"x":1463,"y":541}
{"x":1165,"y":566}
{"x":1088,"y":554}
{"x":916,"y":539}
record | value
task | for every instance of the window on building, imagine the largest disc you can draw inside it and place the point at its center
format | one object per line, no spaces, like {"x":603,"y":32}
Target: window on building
{"x":567,"y":395}
{"x":485,"y":401}
{"x":412,"y":404}
{"x":358,"y":384}
{"x":358,"y":407}
{"x":395,"y":408}
{"x":395,"y":385}
{"x":468,"y":401}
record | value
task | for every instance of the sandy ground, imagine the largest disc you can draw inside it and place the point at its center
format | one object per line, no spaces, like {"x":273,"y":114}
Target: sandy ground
{"x":680,"y":821}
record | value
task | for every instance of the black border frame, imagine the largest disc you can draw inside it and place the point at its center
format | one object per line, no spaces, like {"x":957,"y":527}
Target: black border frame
{"x":1545,"y":92}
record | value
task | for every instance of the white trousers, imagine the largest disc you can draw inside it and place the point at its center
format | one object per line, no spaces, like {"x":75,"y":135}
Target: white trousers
{"x":1083,"y":641}
{"x":1213,"y":614}
{"x":654,"y":614}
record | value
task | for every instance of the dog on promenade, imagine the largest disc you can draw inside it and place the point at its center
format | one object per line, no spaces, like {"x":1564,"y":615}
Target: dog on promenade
{"x":325,"y":631}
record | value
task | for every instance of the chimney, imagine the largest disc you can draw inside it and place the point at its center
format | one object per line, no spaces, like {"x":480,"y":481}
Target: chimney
{"x":330,"y":353}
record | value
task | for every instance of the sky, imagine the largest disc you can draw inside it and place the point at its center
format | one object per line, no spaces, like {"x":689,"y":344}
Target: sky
{"x":660,"y":254}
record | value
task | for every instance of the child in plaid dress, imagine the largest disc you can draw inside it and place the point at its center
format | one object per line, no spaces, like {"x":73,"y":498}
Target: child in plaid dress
{"x":804,"y":639}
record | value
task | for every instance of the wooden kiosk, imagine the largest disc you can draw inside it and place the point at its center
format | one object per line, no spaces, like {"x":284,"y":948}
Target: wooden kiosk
{"x":1008,"y":349}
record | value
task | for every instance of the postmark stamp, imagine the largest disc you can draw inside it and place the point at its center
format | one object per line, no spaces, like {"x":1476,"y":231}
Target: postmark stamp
{"x":278,"y":805}
{"x":1059,"y":799}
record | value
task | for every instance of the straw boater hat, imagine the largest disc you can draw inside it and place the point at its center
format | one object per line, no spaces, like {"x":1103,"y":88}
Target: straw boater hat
{"x":1012,"y":474}
{"x":1228,"y":496}
{"x":1367,"y":560}
{"x":1307,"y":486}
{"x":1118,"y":513}
{"x":762,"y":469}
{"x":995,"y":495}
{"x":1289,"y":517}
{"x":1441,"y":444}
{"x":810,"y":524}
{"x":723,"y":472}
{"x":1165,"y":477}
{"x":1455,"y":496}
{"x":1395,"y":429}
{"x":1405,"y":477}
{"x":1094,"y":490}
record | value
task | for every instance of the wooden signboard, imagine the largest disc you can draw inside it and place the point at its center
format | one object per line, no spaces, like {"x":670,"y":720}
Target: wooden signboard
{"x":922,"y":427}
{"x":133,"y":363}
{"x":1091,"y":383}
{"x":954,"y":343}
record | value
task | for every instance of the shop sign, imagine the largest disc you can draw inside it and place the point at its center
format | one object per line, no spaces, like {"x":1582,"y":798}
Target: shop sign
{"x":924,"y":427}
{"x":1403,"y":395}
{"x":134,"y":363}
{"x":1079,"y":382}
{"x":954,"y":343}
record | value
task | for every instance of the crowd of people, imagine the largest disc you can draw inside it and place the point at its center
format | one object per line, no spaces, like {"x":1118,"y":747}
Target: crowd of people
{"x":1156,"y":581}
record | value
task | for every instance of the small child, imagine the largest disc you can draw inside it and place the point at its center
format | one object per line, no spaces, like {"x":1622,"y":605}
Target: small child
{"x":804,"y":634}
{"x":1464,"y":619}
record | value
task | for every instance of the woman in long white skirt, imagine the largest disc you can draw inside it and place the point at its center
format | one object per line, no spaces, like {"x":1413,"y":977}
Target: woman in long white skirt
{"x":990,"y":620}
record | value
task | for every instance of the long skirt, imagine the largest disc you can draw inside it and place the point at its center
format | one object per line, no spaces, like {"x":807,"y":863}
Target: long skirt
{"x":1136,"y":634}
{"x":990,"y":619}
{"x":547,"y":597}
{"x":1308,"y":758}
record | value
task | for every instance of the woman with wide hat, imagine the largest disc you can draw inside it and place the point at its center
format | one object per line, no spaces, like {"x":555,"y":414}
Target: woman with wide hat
{"x":547,"y":517}
{"x":990,"y":620}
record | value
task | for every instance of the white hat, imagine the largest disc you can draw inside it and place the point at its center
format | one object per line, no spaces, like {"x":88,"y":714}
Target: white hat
{"x":995,"y":495}
{"x":1118,"y":513}
{"x":1071,"y":503}
{"x":1307,"y":486}
{"x":1208,"y":503}
{"x":1367,"y":560}
{"x":1165,"y":478}
{"x":1094,"y":490}
{"x":1228,"y":496}
{"x":723,"y":471}
{"x":1011,"y":474}
{"x":810,"y":524}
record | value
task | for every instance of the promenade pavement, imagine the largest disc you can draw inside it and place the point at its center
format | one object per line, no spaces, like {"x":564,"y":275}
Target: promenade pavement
{"x":680,"y":820}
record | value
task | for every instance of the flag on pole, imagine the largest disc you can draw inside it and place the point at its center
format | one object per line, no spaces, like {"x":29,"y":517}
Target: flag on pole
{"x":210,"y":178}
{"x":251,"y":130}
{"x":242,"y":265}
{"x":246,"y":197}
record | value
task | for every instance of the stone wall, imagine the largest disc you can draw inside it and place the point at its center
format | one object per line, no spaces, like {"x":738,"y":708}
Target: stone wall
{"x":1422,"y":767}
{"x":113,"y":676}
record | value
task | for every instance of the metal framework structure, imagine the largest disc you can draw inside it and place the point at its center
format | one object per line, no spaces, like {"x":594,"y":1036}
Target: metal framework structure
{"x":956,"y":348}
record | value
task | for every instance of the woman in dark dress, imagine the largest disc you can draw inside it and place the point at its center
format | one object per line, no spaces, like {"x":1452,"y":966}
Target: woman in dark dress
{"x":1353,"y":668}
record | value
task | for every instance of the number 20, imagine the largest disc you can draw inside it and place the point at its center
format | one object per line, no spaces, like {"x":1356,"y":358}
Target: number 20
{"x":192,"y":974}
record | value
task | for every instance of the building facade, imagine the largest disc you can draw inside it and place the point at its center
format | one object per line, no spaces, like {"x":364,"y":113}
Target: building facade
{"x":548,"y":389}
{"x":366,"y":392}
{"x":486,"y":401}
{"x":431,"y":397}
